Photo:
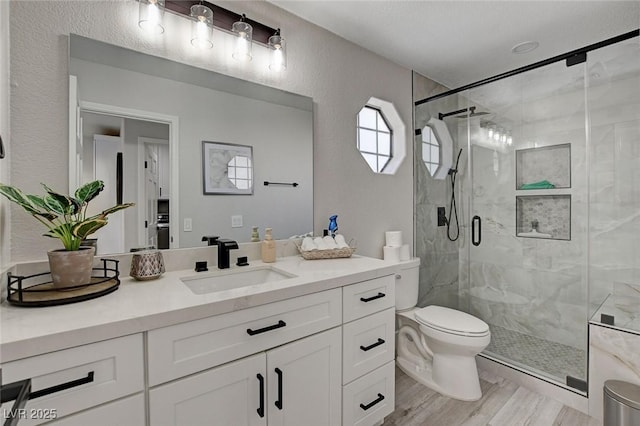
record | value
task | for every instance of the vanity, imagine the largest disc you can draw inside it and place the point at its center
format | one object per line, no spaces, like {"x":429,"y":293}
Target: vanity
{"x":293,"y":342}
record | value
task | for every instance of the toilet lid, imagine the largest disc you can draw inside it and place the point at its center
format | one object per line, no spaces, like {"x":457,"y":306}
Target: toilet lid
{"x":451,"y":321}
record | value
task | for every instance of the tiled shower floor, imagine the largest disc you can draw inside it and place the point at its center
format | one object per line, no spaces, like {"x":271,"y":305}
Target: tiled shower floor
{"x":548,"y":358}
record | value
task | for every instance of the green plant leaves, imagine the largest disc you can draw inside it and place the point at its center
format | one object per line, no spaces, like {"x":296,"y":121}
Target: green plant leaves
{"x":88,"y":227}
{"x":18,"y":197}
{"x":89,"y":191}
{"x":68,"y":205}
{"x":63,"y":214}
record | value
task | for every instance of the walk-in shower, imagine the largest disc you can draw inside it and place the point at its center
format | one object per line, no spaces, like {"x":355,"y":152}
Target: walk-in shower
{"x":548,"y":203}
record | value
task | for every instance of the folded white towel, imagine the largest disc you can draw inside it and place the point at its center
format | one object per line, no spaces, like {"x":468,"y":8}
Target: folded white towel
{"x":340,"y":241}
{"x":330,"y":242}
{"x":308,"y":244}
{"x":320,"y":244}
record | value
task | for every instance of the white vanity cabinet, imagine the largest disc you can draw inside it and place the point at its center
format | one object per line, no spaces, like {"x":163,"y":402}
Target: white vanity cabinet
{"x":368,"y":394}
{"x":295,"y":384}
{"x":70,"y":380}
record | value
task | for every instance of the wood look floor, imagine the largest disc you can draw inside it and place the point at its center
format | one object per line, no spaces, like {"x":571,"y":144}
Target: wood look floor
{"x":503,"y":403}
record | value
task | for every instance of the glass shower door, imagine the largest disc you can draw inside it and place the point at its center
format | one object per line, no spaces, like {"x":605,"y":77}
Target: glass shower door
{"x":526,"y":228}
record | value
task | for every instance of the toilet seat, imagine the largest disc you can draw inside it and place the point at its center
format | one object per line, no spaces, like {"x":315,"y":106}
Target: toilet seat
{"x":451,"y":321}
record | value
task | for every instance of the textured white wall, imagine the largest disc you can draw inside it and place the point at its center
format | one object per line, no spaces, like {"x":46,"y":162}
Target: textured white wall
{"x":338,"y":75}
{"x":5,"y":230}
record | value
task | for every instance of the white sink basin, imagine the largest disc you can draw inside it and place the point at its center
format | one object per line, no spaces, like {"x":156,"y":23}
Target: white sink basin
{"x":234,"y":278}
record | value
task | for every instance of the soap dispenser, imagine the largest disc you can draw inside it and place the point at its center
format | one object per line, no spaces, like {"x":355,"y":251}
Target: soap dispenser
{"x":268,"y":247}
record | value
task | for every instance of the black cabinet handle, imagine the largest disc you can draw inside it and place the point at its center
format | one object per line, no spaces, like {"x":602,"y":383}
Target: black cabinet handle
{"x":1,"y":149}
{"x":280,"y":324}
{"x":63,"y":386}
{"x":476,"y":241}
{"x":372,"y":403}
{"x":369,"y":299}
{"x":373,"y":345}
{"x":261,"y":384}
{"x":18,"y":391}
{"x":279,"y":400}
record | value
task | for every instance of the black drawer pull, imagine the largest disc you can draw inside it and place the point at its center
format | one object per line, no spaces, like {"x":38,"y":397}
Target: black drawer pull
{"x":372,"y":403}
{"x":280,"y":324}
{"x":279,"y":401}
{"x":63,"y":386}
{"x":261,"y":384}
{"x":373,"y":345}
{"x":369,"y":299}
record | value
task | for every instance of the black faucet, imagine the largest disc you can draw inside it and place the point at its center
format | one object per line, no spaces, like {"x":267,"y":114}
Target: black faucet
{"x":224,"y":246}
{"x":210,"y":239}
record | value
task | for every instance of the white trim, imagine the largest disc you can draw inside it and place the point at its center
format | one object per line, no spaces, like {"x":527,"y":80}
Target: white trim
{"x":398,"y":138}
{"x":173,"y":122}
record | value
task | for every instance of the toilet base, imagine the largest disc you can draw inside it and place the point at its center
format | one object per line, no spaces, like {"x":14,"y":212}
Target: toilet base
{"x":423,"y":374}
{"x":455,"y":376}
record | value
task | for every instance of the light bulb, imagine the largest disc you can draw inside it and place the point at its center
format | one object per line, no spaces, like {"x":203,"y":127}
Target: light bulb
{"x":150,"y":13}
{"x":278,"y":61}
{"x":202,"y":27}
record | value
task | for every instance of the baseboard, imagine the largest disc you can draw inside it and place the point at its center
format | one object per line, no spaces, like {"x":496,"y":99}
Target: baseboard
{"x":537,"y":384}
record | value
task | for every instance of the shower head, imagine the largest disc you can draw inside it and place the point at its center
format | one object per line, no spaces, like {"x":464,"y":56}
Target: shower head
{"x":472,"y":113}
{"x":468,"y":112}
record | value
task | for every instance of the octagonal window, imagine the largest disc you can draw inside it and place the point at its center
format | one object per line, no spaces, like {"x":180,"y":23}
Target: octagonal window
{"x":430,"y":150}
{"x":374,"y":138}
{"x":240,"y":172}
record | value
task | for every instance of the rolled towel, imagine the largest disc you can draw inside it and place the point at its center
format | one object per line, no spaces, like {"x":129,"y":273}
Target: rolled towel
{"x":340,"y":241}
{"x":330,"y":242}
{"x":308,"y":244}
{"x":320,"y":244}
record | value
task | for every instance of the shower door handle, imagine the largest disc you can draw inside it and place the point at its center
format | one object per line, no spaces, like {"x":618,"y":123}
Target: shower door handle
{"x":476,"y":230}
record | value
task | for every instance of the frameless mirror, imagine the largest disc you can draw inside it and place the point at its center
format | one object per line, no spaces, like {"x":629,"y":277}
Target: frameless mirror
{"x":156,"y":115}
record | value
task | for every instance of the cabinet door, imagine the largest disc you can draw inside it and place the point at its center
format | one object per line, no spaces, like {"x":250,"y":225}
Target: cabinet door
{"x":305,"y":379}
{"x":233,"y":394}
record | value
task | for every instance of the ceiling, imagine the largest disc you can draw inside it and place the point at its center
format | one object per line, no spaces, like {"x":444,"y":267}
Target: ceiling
{"x":460,"y":42}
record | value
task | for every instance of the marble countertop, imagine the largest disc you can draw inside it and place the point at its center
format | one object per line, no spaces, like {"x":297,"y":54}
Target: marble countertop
{"x":144,"y":305}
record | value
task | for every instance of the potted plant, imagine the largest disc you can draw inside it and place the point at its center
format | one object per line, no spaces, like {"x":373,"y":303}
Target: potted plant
{"x":66,"y":218}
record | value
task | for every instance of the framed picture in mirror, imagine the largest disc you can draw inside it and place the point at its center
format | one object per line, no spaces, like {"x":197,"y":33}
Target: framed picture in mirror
{"x":227,"y":168}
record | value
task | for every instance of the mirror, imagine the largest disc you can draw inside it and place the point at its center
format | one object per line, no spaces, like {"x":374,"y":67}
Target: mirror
{"x":153,"y":112}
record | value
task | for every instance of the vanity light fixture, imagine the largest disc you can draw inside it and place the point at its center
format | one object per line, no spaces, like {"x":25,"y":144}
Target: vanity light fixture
{"x":278,"y":47}
{"x":150,"y":16}
{"x":206,"y":16}
{"x":244,"y":33}
{"x":201,"y":26}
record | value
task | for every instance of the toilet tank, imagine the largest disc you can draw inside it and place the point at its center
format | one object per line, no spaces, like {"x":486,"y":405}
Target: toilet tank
{"x":407,"y":282}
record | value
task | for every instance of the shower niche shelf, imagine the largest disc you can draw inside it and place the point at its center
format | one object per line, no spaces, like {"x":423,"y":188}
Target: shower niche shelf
{"x":543,"y":217}
{"x":548,"y":164}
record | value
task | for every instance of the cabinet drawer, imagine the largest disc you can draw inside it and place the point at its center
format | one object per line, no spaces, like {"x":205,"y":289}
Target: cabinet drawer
{"x":128,"y":411}
{"x":369,"y":399}
{"x":367,"y":297}
{"x":368,"y":343}
{"x":187,"y":348}
{"x":99,"y":372}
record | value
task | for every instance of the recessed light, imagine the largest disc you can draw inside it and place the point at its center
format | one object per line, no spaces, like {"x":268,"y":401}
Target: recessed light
{"x":525,"y":47}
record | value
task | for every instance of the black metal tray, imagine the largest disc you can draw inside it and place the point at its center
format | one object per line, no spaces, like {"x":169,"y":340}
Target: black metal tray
{"x":36,"y":291}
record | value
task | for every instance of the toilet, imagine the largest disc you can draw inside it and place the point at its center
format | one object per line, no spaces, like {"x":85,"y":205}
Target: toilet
{"x":437,"y":346}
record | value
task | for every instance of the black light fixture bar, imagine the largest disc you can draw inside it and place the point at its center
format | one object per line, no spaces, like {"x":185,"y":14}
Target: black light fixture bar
{"x":573,"y":57}
{"x":223,"y":18}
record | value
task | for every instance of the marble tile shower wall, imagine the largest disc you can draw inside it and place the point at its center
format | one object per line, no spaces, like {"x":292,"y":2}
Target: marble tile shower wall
{"x":439,"y":256}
